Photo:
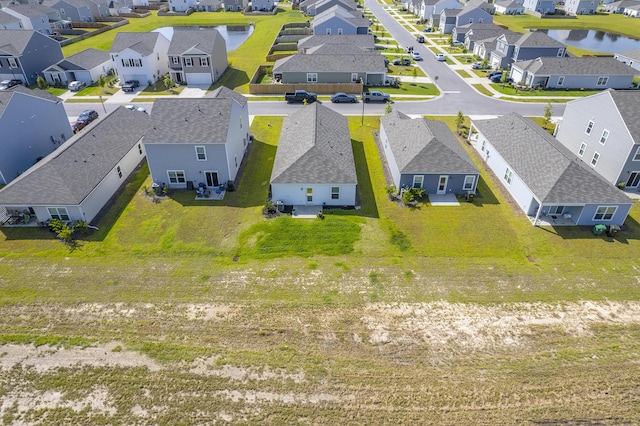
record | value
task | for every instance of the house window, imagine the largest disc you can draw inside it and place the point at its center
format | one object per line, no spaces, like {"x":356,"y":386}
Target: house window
{"x":119,"y":171}
{"x":589,"y":128}
{"x":241,"y":122}
{"x":62,"y":11}
{"x":59,"y":213}
{"x":309,"y":195}
{"x":339,"y":31}
{"x":636,"y":157}
{"x":605,"y":212}
{"x":12,"y":63}
{"x":335,"y":192}
{"x":328,"y":31}
{"x":204,"y":62}
{"x":484,"y":145}
{"x":556,"y":210}
{"x":235,"y":160}
{"x":594,"y":159}
{"x":583,"y":147}
{"x":417,"y":181}
{"x":508,"y":176}
{"x":131,"y":63}
{"x":175,"y":60}
{"x":561,"y":80}
{"x":140,"y":148}
{"x":602,"y":81}
{"x":201,"y":153}
{"x":603,"y":138}
{"x":312,"y":77}
{"x":468,"y":183}
{"x":188,"y":62}
{"x":560,"y":53}
{"x":176,"y":176}
{"x":354,"y":77}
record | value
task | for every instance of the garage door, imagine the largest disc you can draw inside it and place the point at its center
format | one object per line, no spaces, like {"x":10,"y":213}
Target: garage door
{"x":140,"y":77}
{"x":203,"y":78}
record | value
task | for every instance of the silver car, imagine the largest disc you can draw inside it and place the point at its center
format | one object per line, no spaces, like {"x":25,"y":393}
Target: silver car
{"x":76,"y":86}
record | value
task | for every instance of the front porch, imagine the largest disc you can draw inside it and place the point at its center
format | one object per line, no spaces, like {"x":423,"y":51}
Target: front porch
{"x":553,"y":220}
{"x":17,"y":218}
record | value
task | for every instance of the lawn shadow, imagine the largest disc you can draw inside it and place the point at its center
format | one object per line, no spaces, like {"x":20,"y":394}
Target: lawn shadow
{"x":630,"y":230}
{"x":484,"y":195}
{"x":27,"y":233}
{"x":365,"y":193}
{"x":232,"y":78}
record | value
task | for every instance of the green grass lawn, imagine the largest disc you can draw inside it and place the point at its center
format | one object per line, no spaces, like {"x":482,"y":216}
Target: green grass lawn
{"x":508,"y":89}
{"x":56,"y":91}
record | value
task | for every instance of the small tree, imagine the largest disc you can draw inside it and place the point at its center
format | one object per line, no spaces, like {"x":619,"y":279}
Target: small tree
{"x":168,"y":83}
{"x":42,"y":83}
{"x":388,"y":108}
{"x":102,"y":81}
{"x":459,"y":120}
{"x":547,"y":115}
{"x":414,"y":73}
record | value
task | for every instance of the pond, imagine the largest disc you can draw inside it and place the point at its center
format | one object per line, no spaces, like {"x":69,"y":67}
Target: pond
{"x":234,"y":35}
{"x":598,"y":41}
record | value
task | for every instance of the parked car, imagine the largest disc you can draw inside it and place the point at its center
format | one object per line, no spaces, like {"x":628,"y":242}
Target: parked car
{"x":416,"y":56}
{"x":130,"y":85}
{"x":8,"y":84}
{"x":76,"y":86}
{"x":440,"y":57}
{"x":402,"y":61}
{"x":498,"y":78}
{"x":490,"y":74}
{"x":427,"y":30}
{"x":420,"y":39}
{"x":78,"y":125}
{"x":376,"y":95}
{"x":479,"y":66}
{"x":88,"y":116}
{"x":343,"y":97}
{"x":135,"y":108}
{"x":300,"y":96}
{"x":456,"y":43}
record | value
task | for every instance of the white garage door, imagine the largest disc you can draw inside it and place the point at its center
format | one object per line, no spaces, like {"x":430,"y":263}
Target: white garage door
{"x":203,"y":78}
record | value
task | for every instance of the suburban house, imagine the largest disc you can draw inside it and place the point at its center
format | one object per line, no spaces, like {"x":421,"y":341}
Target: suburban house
{"x":262,"y":5}
{"x":182,"y":5}
{"x":314,"y":163}
{"x":337,"y":20}
{"x":469,"y":34}
{"x":604,"y":131}
{"x":581,"y":7}
{"x":363,"y":41}
{"x":9,"y":22}
{"x":545,"y":7}
{"x":86,"y":66}
{"x":25,"y":53}
{"x":509,"y":7}
{"x":632,"y":11}
{"x":574,"y":73}
{"x":452,"y":18}
{"x":431,"y":9}
{"x":236,"y":5}
{"x":513,"y":47}
{"x":140,"y":56}
{"x":35,"y":16}
{"x":209,"y":5}
{"x":490,"y":8}
{"x":332,"y":63}
{"x":100,"y":8}
{"x":629,"y":57}
{"x":314,"y":8}
{"x":197,"y":56}
{"x":194,"y":141}
{"x":625,"y":7}
{"x":73,"y":10}
{"x":425,"y":154}
{"x":77,"y":180}
{"x":547,"y":181}
{"x":34,"y":123}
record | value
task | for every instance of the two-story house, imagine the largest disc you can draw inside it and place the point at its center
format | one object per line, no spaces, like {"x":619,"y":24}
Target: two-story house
{"x":25,"y":53}
{"x":197,"y":56}
{"x":35,"y":16}
{"x":9,"y":22}
{"x":581,"y":7}
{"x":545,"y":7}
{"x":236,"y":5}
{"x":604,"y":131}
{"x":182,"y":5}
{"x":194,"y":141}
{"x":140,"y":56}
{"x":513,"y":47}
{"x":430,"y":10}
{"x":73,"y":10}
{"x":629,"y":57}
{"x":34,"y":123}
{"x":452,"y":18}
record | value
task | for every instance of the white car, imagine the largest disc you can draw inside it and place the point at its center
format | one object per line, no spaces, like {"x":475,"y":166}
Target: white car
{"x":416,"y":56}
{"x":440,"y":57}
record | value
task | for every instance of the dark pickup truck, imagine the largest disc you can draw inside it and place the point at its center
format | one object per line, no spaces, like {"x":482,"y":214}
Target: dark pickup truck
{"x":300,"y":96}
{"x":130,"y":85}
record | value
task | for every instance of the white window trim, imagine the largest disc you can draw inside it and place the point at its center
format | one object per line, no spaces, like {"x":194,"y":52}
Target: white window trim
{"x":177,"y":179}
{"x":473,"y":181}
{"x":204,"y":153}
{"x":312,"y":77}
{"x":596,"y":158}
{"x":583,"y":148}
{"x":12,"y":63}
{"x":354,"y":77}
{"x":336,"y":192}
{"x":417,"y":178}
{"x":602,"y":81}
{"x":604,"y":213}
{"x":604,"y":136}
{"x":59,"y":212}
{"x":508,"y":176}
{"x":175,"y":60}
{"x":636,"y":156}
{"x":561,"y":80}
{"x":119,"y":171}
{"x":556,"y":210}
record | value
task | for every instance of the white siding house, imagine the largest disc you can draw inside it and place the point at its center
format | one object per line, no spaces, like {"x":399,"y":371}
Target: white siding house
{"x":140,"y":56}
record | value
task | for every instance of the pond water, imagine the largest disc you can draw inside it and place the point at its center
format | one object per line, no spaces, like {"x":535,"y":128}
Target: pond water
{"x":599,"y":41}
{"x":234,"y":35}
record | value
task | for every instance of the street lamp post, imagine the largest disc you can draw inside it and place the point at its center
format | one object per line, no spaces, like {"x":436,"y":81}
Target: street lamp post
{"x":102,"y":102}
{"x":362,"y":100}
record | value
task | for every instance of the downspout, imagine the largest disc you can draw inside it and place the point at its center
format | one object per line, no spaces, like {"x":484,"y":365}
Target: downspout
{"x":535,"y":221}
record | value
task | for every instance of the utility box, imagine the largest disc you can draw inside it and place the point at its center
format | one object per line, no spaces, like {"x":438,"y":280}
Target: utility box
{"x":612,"y":230}
{"x":280,"y":206}
{"x":599,"y":229}
{"x":470,"y":196}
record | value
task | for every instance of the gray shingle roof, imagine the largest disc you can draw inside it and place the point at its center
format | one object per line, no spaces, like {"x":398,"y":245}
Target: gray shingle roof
{"x":537,"y":39}
{"x":204,"y":40}
{"x":6,"y":18}
{"x":6,"y":95}
{"x":425,"y":146}
{"x":69,"y":174}
{"x":85,"y":60}
{"x":628,"y":104}
{"x":575,"y":66}
{"x":31,"y":10}
{"x":364,"y":41}
{"x":340,"y":49}
{"x":510,"y":4}
{"x":331,"y":63}
{"x":352,"y":17}
{"x":550,"y":171}
{"x":633,"y":54}
{"x":225,"y":92}
{"x":143,"y":43}
{"x":314,"y":147}
{"x":189,"y":121}
{"x":15,"y":41}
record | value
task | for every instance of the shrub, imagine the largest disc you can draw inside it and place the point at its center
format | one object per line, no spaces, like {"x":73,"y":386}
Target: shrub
{"x":391,"y":191}
{"x":407,"y":197}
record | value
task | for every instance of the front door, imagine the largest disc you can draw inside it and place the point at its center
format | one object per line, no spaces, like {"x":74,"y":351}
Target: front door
{"x":634,"y":180}
{"x":212,"y":178}
{"x":442,"y":185}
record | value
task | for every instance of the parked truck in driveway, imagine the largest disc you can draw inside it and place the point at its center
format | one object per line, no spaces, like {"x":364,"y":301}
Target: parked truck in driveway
{"x":300,"y":96}
{"x":376,"y":96}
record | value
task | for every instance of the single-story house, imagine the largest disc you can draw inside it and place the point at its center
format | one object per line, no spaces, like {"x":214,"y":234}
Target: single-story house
{"x":363,"y":41}
{"x":209,"y":5}
{"x":314,"y":162}
{"x":547,"y":181}
{"x":86,"y":66}
{"x":509,"y":7}
{"x":77,"y":180}
{"x":629,"y":57}
{"x":197,"y":56}
{"x":573,"y":73}
{"x":620,"y":6}
{"x":337,"y":20}
{"x":545,"y":7}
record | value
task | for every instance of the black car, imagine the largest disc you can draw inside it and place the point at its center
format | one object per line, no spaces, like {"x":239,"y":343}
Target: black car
{"x":130,"y":85}
{"x":88,"y":116}
{"x":403,"y":61}
{"x":8,"y":84}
